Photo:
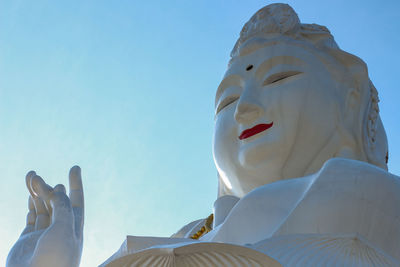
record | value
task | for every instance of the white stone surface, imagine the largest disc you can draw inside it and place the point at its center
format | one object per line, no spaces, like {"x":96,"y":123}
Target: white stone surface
{"x":301,"y":157}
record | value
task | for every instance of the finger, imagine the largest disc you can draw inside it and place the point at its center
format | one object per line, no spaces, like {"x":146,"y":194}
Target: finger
{"x":75,"y":187}
{"x":62,"y":209}
{"x":59,"y":200}
{"x":59,"y":188}
{"x":31,"y":206}
{"x":42,"y":214}
{"x":42,"y":192}
{"x":40,"y":188}
{"x":30,"y":217}
{"x":77,"y":198}
{"x":28,"y":178}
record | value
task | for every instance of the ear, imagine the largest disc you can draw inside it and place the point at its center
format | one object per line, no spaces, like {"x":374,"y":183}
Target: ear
{"x":375,"y":142}
{"x":374,"y":135}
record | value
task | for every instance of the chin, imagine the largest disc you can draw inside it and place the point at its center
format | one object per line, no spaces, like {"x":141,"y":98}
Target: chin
{"x":255,"y":177}
{"x":258,"y":152}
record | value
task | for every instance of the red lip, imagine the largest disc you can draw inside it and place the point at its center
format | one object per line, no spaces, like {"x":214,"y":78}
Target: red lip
{"x":255,"y":130}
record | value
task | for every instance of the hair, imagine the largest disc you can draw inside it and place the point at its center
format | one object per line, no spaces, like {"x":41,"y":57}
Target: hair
{"x":279,"y":22}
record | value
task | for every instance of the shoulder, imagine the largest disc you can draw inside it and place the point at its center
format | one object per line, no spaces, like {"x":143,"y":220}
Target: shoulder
{"x":337,"y":168}
{"x":350,"y":196}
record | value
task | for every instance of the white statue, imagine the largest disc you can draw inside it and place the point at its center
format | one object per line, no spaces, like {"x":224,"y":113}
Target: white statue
{"x":301,"y":154}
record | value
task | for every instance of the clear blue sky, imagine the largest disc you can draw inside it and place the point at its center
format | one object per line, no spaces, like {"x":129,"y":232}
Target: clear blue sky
{"x":125,"y":89}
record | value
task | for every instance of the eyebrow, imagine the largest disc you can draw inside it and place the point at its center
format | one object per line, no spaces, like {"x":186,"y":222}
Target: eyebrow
{"x":231,"y":80}
{"x":278,"y":60}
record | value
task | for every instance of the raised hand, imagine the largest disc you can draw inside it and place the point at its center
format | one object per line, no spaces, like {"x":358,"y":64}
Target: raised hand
{"x":53,"y":235}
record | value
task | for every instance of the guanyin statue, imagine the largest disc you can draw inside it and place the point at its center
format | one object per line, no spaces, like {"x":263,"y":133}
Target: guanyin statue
{"x":301,"y":154}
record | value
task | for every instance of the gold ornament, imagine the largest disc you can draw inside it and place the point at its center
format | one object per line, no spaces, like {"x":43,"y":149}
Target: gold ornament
{"x":204,"y":229}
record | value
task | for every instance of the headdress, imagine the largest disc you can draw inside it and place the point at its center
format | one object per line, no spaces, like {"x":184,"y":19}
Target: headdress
{"x":282,"y":19}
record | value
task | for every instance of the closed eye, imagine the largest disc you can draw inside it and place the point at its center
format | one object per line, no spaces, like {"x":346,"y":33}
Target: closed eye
{"x":280,"y":76}
{"x":226,"y":102}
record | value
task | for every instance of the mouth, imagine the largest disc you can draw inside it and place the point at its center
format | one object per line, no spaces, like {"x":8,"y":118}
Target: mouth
{"x":255,"y":130}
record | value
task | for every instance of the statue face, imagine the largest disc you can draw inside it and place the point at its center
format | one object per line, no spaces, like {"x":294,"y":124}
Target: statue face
{"x":278,"y":111}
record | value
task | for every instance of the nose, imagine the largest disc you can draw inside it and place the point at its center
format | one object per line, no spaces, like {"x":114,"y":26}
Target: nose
{"x":248,"y":108}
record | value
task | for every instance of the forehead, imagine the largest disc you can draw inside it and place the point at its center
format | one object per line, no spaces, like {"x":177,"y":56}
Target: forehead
{"x":275,"y":53}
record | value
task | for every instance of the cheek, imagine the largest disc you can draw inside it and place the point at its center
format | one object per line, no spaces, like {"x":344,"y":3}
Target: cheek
{"x":225,"y":138}
{"x":320,"y":111}
{"x":284,"y":106}
{"x":309,"y":114}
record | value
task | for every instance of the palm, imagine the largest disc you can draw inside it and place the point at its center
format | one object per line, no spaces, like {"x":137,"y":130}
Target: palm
{"x":53,"y":233}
